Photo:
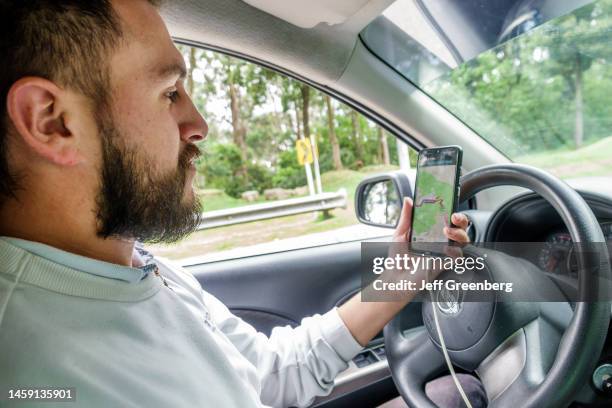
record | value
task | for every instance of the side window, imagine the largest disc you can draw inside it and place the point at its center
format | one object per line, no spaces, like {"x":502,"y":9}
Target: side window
{"x":281,"y":162}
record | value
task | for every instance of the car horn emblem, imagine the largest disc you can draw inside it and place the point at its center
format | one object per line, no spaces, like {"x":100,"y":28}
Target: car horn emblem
{"x":449,"y":301}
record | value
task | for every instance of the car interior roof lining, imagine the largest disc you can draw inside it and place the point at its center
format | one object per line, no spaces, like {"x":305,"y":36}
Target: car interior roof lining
{"x":320,"y":53}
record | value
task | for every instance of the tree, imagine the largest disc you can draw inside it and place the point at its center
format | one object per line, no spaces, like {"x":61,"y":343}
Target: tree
{"x":305,"y":92}
{"x":191,"y":70}
{"x":569,"y":61}
{"x":356,"y":134}
{"x":244,"y":87}
{"x":384,"y":146}
{"x":537,"y":92}
{"x":238,"y":128}
{"x":331,"y":132}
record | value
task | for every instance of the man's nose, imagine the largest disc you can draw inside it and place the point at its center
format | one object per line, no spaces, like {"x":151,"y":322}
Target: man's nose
{"x":194,"y":128}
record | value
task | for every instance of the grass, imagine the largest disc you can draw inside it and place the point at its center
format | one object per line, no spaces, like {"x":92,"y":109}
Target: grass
{"x":235,"y":236}
{"x":218,"y":200}
{"x":594,"y":159}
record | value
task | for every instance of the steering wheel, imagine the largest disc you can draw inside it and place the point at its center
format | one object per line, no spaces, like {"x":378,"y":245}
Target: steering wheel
{"x":527,"y":354}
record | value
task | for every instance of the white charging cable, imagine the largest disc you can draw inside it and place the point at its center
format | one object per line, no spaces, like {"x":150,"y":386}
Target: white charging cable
{"x":445,"y":352}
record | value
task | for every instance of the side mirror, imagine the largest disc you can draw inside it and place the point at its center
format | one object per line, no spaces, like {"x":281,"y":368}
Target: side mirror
{"x":379,"y":199}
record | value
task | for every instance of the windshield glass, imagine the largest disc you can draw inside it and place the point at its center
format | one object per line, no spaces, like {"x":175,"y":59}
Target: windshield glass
{"x":532,"y":77}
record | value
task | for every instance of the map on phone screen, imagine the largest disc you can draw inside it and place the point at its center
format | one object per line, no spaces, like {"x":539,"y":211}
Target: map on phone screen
{"x":433,"y":203}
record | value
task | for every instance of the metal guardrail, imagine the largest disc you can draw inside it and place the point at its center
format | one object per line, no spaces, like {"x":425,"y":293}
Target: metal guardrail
{"x":275,"y":209}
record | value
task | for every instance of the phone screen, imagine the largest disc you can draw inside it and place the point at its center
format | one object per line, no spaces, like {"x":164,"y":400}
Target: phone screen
{"x":435,"y":193}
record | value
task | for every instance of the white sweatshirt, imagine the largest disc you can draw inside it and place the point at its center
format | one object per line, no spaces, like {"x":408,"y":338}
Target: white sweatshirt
{"x":138,"y":343}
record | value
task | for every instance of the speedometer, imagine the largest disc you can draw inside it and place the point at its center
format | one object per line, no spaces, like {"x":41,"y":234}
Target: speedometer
{"x":553,"y":257}
{"x":556,"y":256}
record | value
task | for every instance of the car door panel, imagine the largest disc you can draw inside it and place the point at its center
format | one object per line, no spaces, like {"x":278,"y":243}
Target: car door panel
{"x":287,"y":286}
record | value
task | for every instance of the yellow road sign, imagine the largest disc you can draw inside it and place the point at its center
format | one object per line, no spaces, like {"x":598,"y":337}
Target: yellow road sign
{"x":304,"y":151}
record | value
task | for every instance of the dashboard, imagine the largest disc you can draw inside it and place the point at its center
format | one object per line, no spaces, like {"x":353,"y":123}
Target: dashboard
{"x":529,"y":218}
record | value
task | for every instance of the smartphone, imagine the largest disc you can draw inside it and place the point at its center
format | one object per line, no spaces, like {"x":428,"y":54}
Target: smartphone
{"x":436,"y":193}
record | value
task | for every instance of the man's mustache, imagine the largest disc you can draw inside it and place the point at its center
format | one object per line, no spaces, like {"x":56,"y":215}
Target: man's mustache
{"x":191,"y":152}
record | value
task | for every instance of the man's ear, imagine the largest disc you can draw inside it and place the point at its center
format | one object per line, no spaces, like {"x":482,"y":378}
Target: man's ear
{"x":38,"y":108}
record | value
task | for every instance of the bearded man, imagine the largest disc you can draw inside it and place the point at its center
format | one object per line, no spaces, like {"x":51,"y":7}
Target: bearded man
{"x":97,"y":148}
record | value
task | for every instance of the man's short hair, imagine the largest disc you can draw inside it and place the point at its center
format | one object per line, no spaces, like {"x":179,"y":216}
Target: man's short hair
{"x":66,"y":41}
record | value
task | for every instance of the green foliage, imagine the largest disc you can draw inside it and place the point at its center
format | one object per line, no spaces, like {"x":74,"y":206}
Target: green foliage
{"x":522,"y":95}
{"x":260,"y":178}
{"x":289,"y":173}
{"x":220,"y":163}
{"x":289,"y":178}
{"x":221,"y":168}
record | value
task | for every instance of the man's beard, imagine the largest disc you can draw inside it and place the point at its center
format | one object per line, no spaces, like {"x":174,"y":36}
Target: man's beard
{"x":134,"y":203}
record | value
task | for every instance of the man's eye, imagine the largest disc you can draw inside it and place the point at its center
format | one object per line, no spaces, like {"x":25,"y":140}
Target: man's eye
{"x":173,"y":96}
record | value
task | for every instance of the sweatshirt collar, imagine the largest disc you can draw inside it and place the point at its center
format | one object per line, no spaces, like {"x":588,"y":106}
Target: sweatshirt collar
{"x":88,"y":265}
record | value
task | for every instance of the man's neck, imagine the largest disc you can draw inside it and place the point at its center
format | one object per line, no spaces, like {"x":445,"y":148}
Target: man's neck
{"x":64,"y":231}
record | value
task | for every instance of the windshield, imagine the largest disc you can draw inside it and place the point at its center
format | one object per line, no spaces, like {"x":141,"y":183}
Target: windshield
{"x":531,"y":77}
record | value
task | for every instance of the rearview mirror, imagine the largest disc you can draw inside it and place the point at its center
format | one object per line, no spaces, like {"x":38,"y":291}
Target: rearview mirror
{"x":379,"y":199}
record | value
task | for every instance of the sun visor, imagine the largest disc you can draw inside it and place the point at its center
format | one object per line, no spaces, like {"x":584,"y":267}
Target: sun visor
{"x":307,"y":14}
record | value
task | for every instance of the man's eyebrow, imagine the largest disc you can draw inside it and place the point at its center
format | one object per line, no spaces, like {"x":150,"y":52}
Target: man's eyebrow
{"x":170,"y":70}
